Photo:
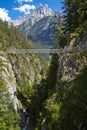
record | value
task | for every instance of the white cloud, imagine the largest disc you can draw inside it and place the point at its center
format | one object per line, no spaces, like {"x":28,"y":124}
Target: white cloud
{"x":4,"y":14}
{"x":20,"y":1}
{"x":25,"y":8}
{"x":46,"y":5}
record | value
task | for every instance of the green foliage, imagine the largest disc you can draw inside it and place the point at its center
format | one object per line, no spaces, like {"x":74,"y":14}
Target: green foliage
{"x":75,"y":14}
{"x":52,"y":75}
{"x":46,"y":88}
{"x":37,"y":103}
{"x":11,"y":38}
{"x":60,"y":37}
{"x":8,"y":120}
{"x":74,"y":108}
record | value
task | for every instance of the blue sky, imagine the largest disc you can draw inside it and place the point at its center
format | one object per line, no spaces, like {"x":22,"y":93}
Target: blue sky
{"x":12,"y":9}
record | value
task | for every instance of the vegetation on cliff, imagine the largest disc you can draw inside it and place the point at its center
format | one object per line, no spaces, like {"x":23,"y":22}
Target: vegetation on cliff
{"x":8,"y":119}
{"x":57,"y":102}
{"x":16,"y":70}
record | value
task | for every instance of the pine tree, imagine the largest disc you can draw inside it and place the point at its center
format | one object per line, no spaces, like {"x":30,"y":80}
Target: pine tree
{"x":75,"y":14}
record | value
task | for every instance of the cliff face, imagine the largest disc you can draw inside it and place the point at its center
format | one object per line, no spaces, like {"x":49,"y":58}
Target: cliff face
{"x":27,"y":67}
{"x":8,"y":76}
{"x":19,"y":71}
{"x":72,"y":63}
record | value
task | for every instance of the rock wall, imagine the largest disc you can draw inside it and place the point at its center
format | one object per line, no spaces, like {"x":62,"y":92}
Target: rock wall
{"x":9,"y":78}
{"x":73,"y":61}
{"x":18,"y":68}
{"x":70,"y":65}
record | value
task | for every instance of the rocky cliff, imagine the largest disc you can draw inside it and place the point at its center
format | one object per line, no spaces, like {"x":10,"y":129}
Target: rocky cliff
{"x":72,"y":63}
{"x":8,"y":76}
{"x":18,"y":70}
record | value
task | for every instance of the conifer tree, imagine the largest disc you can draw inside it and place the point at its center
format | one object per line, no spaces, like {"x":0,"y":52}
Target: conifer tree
{"x":75,"y":14}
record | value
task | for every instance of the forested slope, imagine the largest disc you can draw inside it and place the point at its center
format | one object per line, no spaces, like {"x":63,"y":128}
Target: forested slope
{"x":18,"y":73}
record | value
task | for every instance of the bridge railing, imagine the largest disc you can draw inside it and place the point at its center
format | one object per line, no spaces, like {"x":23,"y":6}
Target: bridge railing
{"x":67,"y":49}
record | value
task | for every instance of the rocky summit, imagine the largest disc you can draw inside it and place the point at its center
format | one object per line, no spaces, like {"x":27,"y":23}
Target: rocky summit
{"x":39,"y":26}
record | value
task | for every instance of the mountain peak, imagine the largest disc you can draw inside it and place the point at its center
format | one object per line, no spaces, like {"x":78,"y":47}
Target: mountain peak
{"x":36,"y":15}
{"x":42,"y":7}
{"x":44,"y":10}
